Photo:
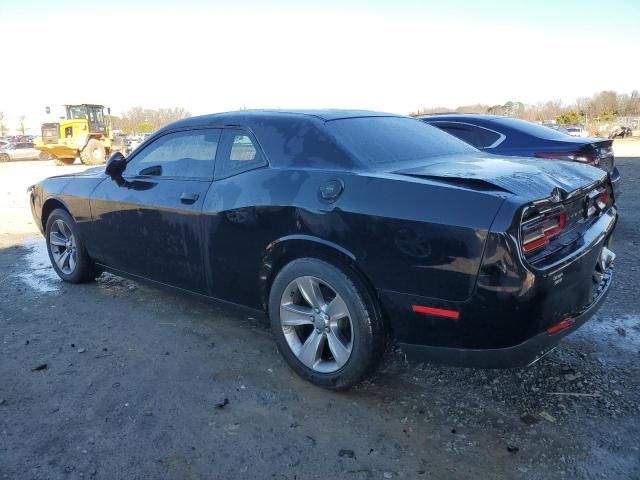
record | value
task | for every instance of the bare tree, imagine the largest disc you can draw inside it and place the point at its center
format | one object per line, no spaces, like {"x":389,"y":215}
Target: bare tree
{"x":21,"y":125}
{"x":2,"y":126}
{"x":475,"y":108}
{"x":634,"y":103}
{"x":603,"y":106}
{"x":144,"y":120}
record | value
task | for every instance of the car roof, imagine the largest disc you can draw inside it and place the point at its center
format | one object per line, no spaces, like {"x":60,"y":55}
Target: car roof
{"x":460,"y":116}
{"x":246,"y":117}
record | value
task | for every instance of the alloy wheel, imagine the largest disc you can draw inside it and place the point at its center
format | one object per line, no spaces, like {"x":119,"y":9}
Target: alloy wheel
{"x":317,"y":324}
{"x":63,"y":247}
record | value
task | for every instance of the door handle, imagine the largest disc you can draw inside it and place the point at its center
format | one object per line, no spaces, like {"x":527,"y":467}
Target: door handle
{"x":188,"y":198}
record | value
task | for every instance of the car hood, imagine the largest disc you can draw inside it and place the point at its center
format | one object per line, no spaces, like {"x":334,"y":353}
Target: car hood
{"x":530,"y":178}
{"x":89,"y":172}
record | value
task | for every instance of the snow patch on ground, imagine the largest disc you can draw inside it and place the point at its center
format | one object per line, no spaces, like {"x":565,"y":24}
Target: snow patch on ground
{"x":39,"y":274}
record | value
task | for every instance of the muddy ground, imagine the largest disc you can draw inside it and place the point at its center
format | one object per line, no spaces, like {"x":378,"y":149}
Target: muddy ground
{"x":116,"y":380}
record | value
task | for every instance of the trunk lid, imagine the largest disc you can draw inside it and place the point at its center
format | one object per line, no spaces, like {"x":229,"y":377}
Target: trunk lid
{"x":529,"y":178}
{"x":592,"y":151}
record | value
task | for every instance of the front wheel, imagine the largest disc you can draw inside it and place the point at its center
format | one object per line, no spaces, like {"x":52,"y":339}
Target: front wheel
{"x":4,"y":157}
{"x":66,"y":250}
{"x":324,"y":324}
{"x":94,"y":153}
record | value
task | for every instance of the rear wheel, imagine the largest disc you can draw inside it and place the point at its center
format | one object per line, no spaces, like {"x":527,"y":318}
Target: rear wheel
{"x":4,"y":157}
{"x":44,"y":156}
{"x":325,"y":328}
{"x":94,"y":153}
{"x":66,"y":250}
{"x":64,"y":161}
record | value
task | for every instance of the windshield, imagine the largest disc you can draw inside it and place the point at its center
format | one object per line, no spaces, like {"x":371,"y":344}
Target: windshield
{"x":95,"y":115}
{"x":77,"y":113}
{"x":384,"y":140}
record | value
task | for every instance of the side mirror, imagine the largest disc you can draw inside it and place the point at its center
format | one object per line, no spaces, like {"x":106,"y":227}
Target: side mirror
{"x":116,"y":165}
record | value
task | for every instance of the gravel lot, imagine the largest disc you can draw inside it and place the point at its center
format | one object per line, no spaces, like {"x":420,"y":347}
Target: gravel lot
{"x":116,"y":380}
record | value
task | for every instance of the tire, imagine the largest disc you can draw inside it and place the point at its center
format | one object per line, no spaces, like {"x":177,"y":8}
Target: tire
{"x":4,"y":157}
{"x":44,"y":156}
{"x":62,"y":229}
{"x":63,"y":161}
{"x":94,"y":153}
{"x":360,"y":332}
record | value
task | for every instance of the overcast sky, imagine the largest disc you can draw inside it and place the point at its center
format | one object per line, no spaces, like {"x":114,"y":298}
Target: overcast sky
{"x":393,"y":56}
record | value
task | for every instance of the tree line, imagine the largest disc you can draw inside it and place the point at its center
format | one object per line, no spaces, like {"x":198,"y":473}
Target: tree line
{"x":135,"y":120}
{"x":4,"y":129}
{"x":147,"y":120}
{"x":607,"y":106}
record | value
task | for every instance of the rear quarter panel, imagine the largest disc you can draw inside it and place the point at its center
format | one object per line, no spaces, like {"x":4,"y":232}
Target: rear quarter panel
{"x":405,"y":234}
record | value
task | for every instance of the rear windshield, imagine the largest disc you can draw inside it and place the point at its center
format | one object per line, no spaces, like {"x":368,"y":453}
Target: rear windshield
{"x":532,"y":129}
{"x":384,"y":140}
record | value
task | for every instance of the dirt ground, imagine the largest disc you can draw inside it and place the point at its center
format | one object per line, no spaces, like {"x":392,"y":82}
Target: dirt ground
{"x":116,"y":380}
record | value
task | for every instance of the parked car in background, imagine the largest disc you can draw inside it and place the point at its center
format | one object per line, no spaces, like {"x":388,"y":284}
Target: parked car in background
{"x":134,"y":141}
{"x":514,"y":137}
{"x":577,"y":131}
{"x":346,"y":228}
{"x":21,"y":151}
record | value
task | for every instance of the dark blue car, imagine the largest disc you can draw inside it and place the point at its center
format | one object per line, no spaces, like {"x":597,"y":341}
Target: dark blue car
{"x":515,"y":137}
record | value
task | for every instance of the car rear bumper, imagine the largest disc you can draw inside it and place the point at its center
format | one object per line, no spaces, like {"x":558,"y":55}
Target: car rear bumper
{"x":507,"y":319}
{"x":521,"y":355}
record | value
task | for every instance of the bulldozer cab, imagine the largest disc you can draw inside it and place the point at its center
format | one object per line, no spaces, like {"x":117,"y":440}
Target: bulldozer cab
{"x":94,"y":114}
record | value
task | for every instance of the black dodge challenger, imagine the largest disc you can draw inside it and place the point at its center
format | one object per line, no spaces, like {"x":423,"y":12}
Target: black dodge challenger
{"x":347,"y":228}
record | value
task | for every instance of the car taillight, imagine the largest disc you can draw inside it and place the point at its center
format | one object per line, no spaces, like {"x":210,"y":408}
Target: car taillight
{"x":573,"y":156}
{"x":537,"y":233}
{"x":603,"y":200}
{"x":598,"y":201}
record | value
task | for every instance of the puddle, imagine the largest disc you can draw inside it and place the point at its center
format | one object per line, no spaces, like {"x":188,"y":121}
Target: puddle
{"x":625,"y":329}
{"x":612,"y":338}
{"x":39,"y":274}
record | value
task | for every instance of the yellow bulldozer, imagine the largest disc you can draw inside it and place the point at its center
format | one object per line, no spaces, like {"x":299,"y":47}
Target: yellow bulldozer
{"x":82,"y":133}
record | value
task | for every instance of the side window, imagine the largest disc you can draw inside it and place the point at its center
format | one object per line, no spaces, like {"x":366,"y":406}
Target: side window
{"x":238,"y":154}
{"x":486,"y":138}
{"x":186,"y":154}
{"x":463,"y":132}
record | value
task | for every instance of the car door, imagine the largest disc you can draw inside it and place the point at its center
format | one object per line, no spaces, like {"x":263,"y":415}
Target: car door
{"x":30,"y":153}
{"x":233,"y":225}
{"x":20,"y":152}
{"x":148,"y":222}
